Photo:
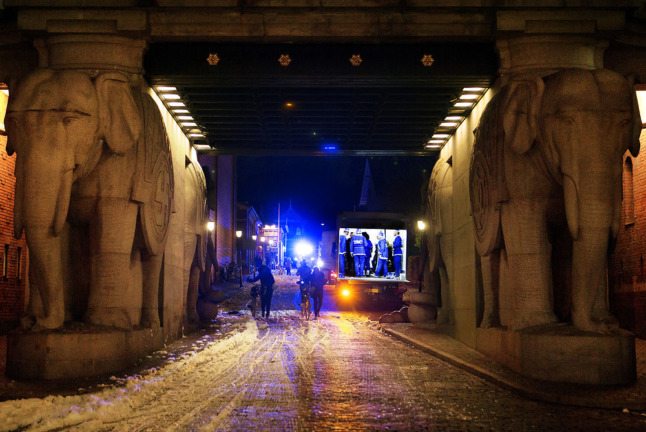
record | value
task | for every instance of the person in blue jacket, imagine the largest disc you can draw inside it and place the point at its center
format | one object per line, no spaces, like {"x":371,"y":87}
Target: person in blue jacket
{"x":358,"y":248}
{"x":368,"y":253}
{"x":397,"y":253}
{"x":342,"y":251}
{"x":382,"y":252}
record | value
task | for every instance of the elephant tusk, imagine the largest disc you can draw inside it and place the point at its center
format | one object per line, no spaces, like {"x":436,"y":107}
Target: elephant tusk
{"x":63,"y":201}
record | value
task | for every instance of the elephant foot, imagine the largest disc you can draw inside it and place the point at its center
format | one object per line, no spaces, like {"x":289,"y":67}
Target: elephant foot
{"x":602,"y":315}
{"x":490,"y":319}
{"x":112,"y":317}
{"x":150,"y":318}
{"x":587,"y":324}
{"x":533,"y":319}
{"x":28,"y":322}
{"x":192,"y":318}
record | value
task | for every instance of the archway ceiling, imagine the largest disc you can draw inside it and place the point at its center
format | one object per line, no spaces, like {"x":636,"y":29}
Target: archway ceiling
{"x":391,"y":104}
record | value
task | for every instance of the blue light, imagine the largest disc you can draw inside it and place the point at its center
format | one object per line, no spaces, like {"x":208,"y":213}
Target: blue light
{"x":330,"y":147}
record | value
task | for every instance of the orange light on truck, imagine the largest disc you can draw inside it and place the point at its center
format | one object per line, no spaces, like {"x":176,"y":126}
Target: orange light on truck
{"x":345,"y":293}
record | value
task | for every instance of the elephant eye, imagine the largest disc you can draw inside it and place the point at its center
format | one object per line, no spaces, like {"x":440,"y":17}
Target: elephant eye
{"x":69,"y":120}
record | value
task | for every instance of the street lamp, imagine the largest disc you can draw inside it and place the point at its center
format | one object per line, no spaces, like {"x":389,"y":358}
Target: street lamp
{"x":239,"y":237}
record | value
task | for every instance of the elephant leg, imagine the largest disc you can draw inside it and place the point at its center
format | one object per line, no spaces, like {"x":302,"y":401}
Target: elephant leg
{"x":490,"y":265}
{"x":445,"y":313}
{"x":192,"y":318}
{"x":601,"y":312}
{"x":111,"y":301}
{"x":151,"y":270}
{"x":529,"y":258}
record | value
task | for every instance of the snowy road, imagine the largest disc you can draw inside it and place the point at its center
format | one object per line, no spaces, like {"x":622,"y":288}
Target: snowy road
{"x":338,"y":373}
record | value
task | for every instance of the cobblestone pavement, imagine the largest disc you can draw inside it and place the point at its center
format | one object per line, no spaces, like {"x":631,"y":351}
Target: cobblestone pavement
{"x":286,"y":374}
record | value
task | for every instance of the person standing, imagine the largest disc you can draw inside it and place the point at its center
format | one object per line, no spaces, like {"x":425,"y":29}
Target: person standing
{"x":318,"y":282}
{"x":288,"y":266}
{"x":348,"y":255}
{"x":358,"y":250}
{"x":304,"y":271}
{"x":368,"y":253}
{"x":382,"y":251}
{"x":266,"y":288}
{"x":397,"y":253}
{"x":342,"y":250}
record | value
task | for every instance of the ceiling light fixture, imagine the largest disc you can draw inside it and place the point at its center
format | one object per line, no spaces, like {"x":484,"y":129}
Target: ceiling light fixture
{"x":185,"y":117}
{"x":436,"y":136}
{"x":472,"y":89}
{"x":434,"y":141}
{"x":448,"y":124}
{"x":195,"y":134}
{"x":176,"y":104}
{"x":189,"y":124}
{"x":463,"y":104}
{"x":166,"y":88}
{"x":169,"y":96}
{"x":180,"y":111}
{"x":433,"y":146}
{"x":469,"y":96}
{"x":453,"y":118}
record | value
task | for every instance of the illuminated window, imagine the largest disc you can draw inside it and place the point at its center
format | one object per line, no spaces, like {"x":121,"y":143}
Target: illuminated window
{"x":628,"y":201}
{"x":4,"y":98}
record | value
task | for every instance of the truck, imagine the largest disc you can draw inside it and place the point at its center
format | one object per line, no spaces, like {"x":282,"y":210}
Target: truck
{"x":352,"y":289}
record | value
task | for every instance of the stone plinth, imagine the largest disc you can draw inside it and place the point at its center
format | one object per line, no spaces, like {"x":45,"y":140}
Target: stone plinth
{"x":73,"y":354}
{"x":561,"y":353}
{"x":422,"y":308}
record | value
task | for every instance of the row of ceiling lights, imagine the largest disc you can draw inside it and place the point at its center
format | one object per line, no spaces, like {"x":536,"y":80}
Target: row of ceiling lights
{"x":179,"y":110}
{"x":457,"y":113}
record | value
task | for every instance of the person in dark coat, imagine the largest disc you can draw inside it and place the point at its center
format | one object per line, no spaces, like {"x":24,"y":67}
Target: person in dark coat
{"x":343,"y":243}
{"x":304,"y":271}
{"x":358,"y":246}
{"x":367,"y":268}
{"x":317,"y":281}
{"x":266,"y":288}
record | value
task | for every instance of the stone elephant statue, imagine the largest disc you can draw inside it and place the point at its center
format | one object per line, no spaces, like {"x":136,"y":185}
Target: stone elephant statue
{"x":94,"y":191}
{"x":196,"y":216}
{"x":545,"y":187}
{"x":439,"y":235}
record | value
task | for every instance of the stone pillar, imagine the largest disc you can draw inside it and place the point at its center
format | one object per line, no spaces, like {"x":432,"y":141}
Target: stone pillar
{"x":534,"y":45}
{"x":111,"y":282}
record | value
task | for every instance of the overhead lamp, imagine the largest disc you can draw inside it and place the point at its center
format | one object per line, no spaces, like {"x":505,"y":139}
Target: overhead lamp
{"x":448,"y":124}
{"x":463,"y":104}
{"x":176,"y":104}
{"x":469,"y":96}
{"x":421,"y":225}
{"x":434,"y":141}
{"x":169,"y":96}
{"x":189,"y":124}
{"x":195,"y":135}
{"x":435,"y":136}
{"x":166,"y":88}
{"x":180,"y":111}
{"x":473,"y":89}
{"x":453,"y":118}
{"x":433,"y":146}
{"x":201,"y":147}
{"x":210,"y":226}
{"x":185,"y":117}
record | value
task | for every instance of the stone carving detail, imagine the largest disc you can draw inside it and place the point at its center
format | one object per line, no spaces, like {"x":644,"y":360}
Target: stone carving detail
{"x":543,"y":165}
{"x":94,"y":190}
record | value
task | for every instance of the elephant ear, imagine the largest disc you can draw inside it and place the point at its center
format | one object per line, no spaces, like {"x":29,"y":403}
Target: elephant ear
{"x":120,"y":119}
{"x":521,"y":113}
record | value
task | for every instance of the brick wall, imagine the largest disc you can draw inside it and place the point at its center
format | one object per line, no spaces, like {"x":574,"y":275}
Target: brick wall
{"x":626,"y":273}
{"x":13,"y":253}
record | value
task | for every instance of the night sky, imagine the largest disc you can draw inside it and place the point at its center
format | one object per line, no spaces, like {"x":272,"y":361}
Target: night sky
{"x":320,"y":187}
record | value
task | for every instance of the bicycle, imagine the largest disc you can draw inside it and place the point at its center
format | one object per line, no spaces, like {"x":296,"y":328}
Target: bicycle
{"x":306,"y":304}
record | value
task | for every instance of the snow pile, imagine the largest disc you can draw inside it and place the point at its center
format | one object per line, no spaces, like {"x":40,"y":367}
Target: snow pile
{"x":135,"y":396}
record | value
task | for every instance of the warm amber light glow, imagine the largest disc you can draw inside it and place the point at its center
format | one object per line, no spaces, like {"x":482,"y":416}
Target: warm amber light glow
{"x":641,"y":100}
{"x":345,"y":293}
{"x":210,"y":226}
